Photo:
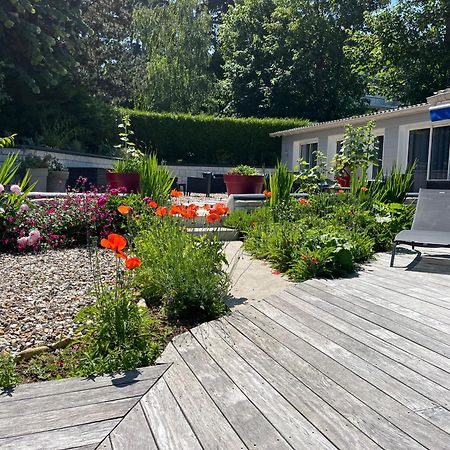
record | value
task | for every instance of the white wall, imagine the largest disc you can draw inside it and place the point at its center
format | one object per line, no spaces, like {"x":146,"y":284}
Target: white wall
{"x":395,"y":131}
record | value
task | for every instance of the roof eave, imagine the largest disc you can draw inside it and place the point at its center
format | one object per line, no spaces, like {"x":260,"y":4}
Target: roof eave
{"x":353,"y":120}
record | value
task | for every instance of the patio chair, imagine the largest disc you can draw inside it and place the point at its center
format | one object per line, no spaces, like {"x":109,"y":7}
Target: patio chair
{"x":431,"y":225}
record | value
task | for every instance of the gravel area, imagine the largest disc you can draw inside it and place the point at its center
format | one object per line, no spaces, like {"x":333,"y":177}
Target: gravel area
{"x":40,"y":294}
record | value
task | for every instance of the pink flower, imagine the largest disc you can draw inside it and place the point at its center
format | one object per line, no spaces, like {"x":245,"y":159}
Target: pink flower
{"x":22,"y":242}
{"x":33,"y":237}
{"x":2,"y":188}
{"x":24,"y":207}
{"x":15,"y":189}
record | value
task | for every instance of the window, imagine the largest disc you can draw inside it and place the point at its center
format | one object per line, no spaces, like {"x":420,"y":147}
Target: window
{"x":418,"y":147}
{"x":308,"y":153}
{"x":376,"y":169}
{"x":440,"y":146}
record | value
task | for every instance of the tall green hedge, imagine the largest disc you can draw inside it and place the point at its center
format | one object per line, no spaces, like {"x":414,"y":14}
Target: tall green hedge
{"x":201,"y":139}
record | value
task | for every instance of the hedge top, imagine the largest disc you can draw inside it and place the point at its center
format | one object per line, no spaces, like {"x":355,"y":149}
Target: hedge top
{"x":203,"y":139}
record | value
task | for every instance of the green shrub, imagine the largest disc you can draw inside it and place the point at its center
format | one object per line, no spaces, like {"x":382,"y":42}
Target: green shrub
{"x":182,"y":272}
{"x":156,"y":179}
{"x":118,"y":334}
{"x":200,"y":139}
{"x":8,"y":374}
{"x":243,"y":169}
{"x":280,"y":184}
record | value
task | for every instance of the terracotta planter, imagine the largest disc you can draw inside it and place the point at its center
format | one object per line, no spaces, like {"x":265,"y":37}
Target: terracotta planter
{"x":39,"y":175}
{"x":57,"y":180}
{"x":130,"y":181}
{"x":243,"y":184}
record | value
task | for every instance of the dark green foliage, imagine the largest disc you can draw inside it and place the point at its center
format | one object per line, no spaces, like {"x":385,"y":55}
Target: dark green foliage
{"x":286,"y":58}
{"x":207,"y":139}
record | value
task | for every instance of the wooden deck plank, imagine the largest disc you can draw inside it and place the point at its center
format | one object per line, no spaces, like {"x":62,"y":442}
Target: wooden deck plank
{"x":330,"y":423}
{"x":407,"y":316}
{"x":413,"y":424}
{"x":61,"y":439}
{"x":209,"y":424}
{"x":45,"y":388}
{"x":434,"y":392}
{"x":360,"y":336}
{"x":253,"y":428}
{"x":35,"y":422}
{"x":385,"y":292}
{"x":397,"y":390}
{"x":375,"y":321}
{"x":167,"y":422}
{"x":60,"y":402}
{"x":132,"y":433}
{"x":272,"y":338}
{"x":297,"y":430}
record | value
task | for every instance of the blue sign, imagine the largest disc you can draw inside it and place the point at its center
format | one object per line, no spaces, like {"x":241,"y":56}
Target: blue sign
{"x":439,"y":113}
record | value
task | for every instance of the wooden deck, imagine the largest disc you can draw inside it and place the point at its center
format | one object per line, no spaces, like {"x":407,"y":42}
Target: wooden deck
{"x":356,"y":363}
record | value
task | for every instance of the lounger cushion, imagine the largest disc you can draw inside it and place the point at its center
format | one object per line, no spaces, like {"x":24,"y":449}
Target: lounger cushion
{"x":441,"y":238}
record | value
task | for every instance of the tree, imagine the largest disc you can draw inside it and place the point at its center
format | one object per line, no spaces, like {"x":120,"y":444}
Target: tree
{"x":404,"y":50}
{"x":111,"y":59}
{"x":176,"y":38}
{"x":37,"y":42}
{"x":285,"y":58}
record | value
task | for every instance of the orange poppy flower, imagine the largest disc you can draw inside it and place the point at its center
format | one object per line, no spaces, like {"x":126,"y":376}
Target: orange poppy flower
{"x":364,"y":188}
{"x":161,"y":211}
{"x":175,"y":209}
{"x":267,"y":194}
{"x":220,"y":209}
{"x":123,"y":209}
{"x":206,"y":207}
{"x":152,"y":204}
{"x":340,"y":191}
{"x":132,"y":263}
{"x":176,"y":193}
{"x":212,"y":217}
{"x":116,"y":243}
{"x":303,"y":201}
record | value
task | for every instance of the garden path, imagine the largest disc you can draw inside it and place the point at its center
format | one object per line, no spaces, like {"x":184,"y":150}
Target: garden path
{"x":355,"y":363}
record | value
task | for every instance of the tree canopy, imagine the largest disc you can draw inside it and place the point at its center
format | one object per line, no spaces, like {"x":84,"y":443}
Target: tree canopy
{"x":285,"y":58}
{"x":403,"y":52}
{"x":176,"y":38}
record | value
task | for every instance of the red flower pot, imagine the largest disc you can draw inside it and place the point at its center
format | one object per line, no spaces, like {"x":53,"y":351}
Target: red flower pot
{"x":244,"y":184}
{"x":129,"y":181}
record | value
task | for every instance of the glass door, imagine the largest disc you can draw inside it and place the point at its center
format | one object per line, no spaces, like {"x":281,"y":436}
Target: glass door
{"x":419,"y":143}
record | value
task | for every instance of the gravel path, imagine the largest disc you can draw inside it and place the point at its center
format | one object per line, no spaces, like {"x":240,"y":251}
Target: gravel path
{"x":40,"y":294}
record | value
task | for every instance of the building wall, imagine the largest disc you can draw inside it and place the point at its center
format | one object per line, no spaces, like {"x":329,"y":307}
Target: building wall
{"x":395,"y":131}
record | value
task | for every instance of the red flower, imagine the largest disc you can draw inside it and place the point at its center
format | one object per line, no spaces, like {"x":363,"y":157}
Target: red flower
{"x":175,"y":209}
{"x":206,"y":207}
{"x":132,"y":263}
{"x":303,"y":201}
{"x":123,"y":209}
{"x":340,"y":191}
{"x":116,"y":243}
{"x":364,"y":188}
{"x":276,"y":272}
{"x":161,"y":211}
{"x":152,"y":204}
{"x":213,"y":217}
{"x":219,"y":209}
{"x":267,"y":194}
{"x":175,"y":193}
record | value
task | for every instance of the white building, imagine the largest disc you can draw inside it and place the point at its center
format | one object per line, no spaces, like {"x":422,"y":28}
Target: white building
{"x":414,"y":133}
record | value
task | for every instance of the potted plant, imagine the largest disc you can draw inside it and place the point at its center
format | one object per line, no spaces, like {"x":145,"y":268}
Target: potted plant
{"x":125,"y":172}
{"x":38,"y":169}
{"x":57,"y":176}
{"x":243,"y":180}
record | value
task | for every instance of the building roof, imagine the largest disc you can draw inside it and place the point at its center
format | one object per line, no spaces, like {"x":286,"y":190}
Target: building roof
{"x":403,"y":110}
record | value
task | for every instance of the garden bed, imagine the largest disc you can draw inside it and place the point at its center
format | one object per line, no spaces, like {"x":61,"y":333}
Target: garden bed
{"x":41,"y":293}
